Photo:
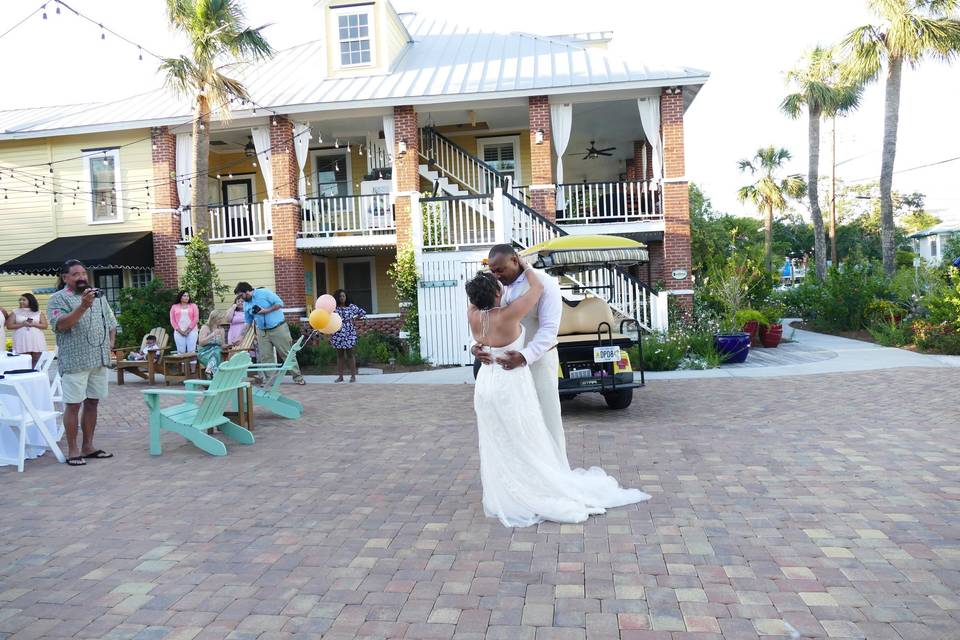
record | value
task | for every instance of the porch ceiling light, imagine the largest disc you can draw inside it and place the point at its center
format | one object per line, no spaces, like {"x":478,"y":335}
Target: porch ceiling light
{"x":249,"y":149}
{"x":538,"y":136}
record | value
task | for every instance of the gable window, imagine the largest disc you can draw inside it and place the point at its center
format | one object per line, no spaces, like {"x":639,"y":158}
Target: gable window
{"x":354,"y":31}
{"x":103,"y":172}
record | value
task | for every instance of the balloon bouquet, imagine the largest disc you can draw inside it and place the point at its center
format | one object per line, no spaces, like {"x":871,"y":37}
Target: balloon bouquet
{"x":324,"y":318}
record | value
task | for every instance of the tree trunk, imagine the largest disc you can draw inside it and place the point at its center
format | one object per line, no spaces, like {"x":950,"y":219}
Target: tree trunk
{"x":833,"y":193}
{"x":813,"y":179}
{"x":201,"y":165}
{"x":891,"y":117}
{"x":768,"y":237}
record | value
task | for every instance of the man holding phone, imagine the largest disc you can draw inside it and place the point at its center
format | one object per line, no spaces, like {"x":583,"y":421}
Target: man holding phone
{"x":262,"y":308}
{"x":85,"y":328}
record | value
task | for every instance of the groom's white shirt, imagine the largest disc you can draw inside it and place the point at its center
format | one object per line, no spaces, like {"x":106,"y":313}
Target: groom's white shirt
{"x":545,"y":317}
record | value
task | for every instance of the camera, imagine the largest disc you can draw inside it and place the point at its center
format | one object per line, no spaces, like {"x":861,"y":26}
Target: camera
{"x":98,"y":293}
{"x":255,"y":309}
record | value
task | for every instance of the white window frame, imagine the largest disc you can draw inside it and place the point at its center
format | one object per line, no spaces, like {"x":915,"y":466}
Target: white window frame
{"x":372,"y":261}
{"x":131,"y":275}
{"x":342,"y":151}
{"x":934,"y":246}
{"x":483,"y":142}
{"x":99,"y":156}
{"x":354,"y":11}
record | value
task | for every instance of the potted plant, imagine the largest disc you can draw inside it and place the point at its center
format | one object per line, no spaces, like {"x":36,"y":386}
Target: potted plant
{"x":752,"y":322}
{"x":771,"y":332}
{"x":730,"y":286}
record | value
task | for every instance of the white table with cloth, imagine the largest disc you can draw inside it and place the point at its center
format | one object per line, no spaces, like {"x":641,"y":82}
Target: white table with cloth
{"x":36,"y":388}
{"x":11,"y":363}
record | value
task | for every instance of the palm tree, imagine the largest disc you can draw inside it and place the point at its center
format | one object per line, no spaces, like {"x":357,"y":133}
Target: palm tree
{"x":218,"y":39}
{"x":907,"y":31}
{"x":820,"y":93}
{"x":769,"y":193}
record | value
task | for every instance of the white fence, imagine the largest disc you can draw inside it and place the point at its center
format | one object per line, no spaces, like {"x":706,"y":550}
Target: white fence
{"x":586,"y":202}
{"x":249,"y":221}
{"x":442,"y":305}
{"x":357,"y":215}
{"x":458,"y":222}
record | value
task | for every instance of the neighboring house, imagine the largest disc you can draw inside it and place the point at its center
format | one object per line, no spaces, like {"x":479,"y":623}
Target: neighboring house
{"x":512,"y":137}
{"x":930,"y":243}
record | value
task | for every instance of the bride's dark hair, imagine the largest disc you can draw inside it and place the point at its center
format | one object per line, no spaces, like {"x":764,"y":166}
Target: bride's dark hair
{"x":482,"y":290}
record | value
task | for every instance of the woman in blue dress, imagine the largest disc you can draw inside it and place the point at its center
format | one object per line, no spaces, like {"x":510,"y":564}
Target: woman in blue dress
{"x":345,"y":339}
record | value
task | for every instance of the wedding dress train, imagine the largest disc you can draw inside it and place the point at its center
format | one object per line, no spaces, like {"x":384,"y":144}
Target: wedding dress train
{"x":525,"y":478}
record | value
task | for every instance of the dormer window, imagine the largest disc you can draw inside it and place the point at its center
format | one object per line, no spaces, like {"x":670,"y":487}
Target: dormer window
{"x":354,"y":30}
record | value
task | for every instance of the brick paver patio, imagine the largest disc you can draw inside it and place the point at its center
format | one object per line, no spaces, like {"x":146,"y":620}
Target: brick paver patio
{"x":805,"y":507}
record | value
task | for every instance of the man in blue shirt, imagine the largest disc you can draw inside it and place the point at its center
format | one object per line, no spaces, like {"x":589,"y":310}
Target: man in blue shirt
{"x":262,"y":308}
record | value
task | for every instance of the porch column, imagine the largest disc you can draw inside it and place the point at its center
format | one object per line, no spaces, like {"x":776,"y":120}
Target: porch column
{"x":165,"y":217}
{"x":543,"y":192}
{"x":676,"y":202}
{"x":405,"y":168}
{"x":285,"y":216}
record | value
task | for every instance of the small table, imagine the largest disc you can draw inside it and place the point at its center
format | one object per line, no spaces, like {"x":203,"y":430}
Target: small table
{"x":12,"y":363}
{"x":244,"y":414}
{"x":177,"y":367}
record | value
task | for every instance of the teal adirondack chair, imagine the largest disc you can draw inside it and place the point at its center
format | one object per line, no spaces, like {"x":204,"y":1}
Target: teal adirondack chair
{"x":192,"y":419}
{"x":269,"y":397}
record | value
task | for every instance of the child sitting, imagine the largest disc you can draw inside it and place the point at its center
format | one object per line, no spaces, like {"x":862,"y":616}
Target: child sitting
{"x":150,"y":348}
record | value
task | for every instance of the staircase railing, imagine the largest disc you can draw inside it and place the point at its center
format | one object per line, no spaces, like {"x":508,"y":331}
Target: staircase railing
{"x":459,"y":165}
{"x":627,"y":295}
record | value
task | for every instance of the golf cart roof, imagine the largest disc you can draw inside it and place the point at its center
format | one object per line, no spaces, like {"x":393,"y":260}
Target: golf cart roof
{"x":586,"y":251}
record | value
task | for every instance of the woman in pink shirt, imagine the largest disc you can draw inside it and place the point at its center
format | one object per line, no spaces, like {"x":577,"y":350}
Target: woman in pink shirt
{"x":184,"y":318}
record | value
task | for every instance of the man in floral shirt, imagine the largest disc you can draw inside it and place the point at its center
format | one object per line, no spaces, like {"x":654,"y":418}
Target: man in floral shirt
{"x":85,"y":328}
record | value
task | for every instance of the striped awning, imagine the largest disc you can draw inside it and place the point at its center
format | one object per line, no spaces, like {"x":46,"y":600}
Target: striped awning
{"x":586,"y":252}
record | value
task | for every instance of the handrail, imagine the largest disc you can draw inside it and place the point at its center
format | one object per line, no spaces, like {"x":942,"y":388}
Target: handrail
{"x":482,"y":163}
{"x":520,"y":204}
{"x":470,"y":171}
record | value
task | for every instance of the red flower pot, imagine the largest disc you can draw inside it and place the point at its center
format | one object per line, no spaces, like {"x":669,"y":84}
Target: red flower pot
{"x":752,"y":327}
{"x":770,"y":336}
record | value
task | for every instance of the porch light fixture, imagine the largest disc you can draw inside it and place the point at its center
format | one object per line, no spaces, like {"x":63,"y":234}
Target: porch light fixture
{"x":538,"y":136}
{"x":249,"y":149}
{"x":402,"y":147}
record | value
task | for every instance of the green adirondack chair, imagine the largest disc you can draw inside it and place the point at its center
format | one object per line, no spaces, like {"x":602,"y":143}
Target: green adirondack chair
{"x":270,"y":397}
{"x":192,"y":419}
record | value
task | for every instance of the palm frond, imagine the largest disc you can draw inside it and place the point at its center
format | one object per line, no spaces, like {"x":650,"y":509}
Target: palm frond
{"x":746,"y":164}
{"x":938,"y":38}
{"x":793,"y":105}
{"x":863,"y":54}
{"x":250,"y":44}
{"x":180,"y":74}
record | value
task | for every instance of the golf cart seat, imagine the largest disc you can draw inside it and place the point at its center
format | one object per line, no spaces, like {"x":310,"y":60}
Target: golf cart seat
{"x":581,"y":320}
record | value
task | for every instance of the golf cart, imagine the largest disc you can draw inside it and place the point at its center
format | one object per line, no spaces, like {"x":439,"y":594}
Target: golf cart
{"x":593,"y":356}
{"x":591,"y":345}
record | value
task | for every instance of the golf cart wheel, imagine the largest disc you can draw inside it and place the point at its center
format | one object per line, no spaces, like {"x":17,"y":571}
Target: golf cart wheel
{"x":619,"y":399}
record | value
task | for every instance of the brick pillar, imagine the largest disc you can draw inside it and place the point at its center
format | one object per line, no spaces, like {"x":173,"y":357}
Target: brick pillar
{"x":405,"y":168}
{"x":631,"y":169}
{"x":285,"y":212}
{"x":676,"y":202}
{"x":165,"y":218}
{"x":543,"y":192}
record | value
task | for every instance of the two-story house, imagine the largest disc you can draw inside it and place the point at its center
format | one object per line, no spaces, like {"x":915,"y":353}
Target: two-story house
{"x":391,"y":130}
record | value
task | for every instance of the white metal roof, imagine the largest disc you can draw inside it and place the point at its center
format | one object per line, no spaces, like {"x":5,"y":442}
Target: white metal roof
{"x":937,"y":229}
{"x":444,"y":63}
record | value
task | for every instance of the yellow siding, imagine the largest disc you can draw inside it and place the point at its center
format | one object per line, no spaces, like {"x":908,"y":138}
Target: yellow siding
{"x":255,"y":267}
{"x":393,"y":35}
{"x":386,"y":296}
{"x":238,"y":163}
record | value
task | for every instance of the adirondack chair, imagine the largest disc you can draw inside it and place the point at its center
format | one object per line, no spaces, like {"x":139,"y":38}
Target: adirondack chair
{"x":192,"y":419}
{"x":269,"y":396}
{"x":146,"y":369}
{"x":243,"y":345}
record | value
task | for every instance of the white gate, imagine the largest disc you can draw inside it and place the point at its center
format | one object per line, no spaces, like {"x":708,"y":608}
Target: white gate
{"x":442,"y":305}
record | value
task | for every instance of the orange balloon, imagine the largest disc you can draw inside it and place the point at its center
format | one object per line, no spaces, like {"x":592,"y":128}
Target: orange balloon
{"x":333,"y":325}
{"x":319,"y":318}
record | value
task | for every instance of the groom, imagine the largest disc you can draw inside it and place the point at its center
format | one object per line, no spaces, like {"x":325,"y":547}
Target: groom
{"x":540,"y":327}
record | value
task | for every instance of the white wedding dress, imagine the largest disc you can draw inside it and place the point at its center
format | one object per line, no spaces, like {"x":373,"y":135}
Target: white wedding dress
{"x":525,"y":479}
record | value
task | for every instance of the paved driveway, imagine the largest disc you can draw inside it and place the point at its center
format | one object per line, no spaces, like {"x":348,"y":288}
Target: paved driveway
{"x":788,"y":507}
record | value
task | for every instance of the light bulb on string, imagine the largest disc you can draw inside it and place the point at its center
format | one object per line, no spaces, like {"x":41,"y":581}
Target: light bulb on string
{"x":320,"y":137}
{"x":348,"y":147}
{"x":140,"y":52}
{"x":274,"y":121}
{"x":50,"y":165}
{"x":103,"y":36}
{"x":336,"y":166}
{"x":254,"y":163}
{"x":230,"y":176}
{"x":58,"y":8}
{"x":361,"y":149}
{"x":44,"y":12}
{"x":336,"y":143}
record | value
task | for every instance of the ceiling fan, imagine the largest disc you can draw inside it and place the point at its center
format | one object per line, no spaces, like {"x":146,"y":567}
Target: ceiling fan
{"x":593,"y":153}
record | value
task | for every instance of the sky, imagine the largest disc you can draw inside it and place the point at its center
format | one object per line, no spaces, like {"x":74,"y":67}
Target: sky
{"x":746,"y":45}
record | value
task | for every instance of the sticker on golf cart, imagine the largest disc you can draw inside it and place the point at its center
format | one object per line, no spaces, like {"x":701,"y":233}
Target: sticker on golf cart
{"x":606,"y":354}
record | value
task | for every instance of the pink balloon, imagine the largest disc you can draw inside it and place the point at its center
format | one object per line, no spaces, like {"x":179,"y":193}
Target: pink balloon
{"x":326,"y":302}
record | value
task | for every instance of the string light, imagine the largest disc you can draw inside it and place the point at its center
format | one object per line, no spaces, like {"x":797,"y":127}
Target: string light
{"x":336,"y":143}
{"x":44,"y":12}
{"x":348,"y":147}
{"x":50,"y":165}
{"x":140,"y":53}
{"x":103,"y":36}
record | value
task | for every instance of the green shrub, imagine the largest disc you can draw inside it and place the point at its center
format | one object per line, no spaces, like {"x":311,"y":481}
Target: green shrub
{"x":744,"y":316}
{"x":318,"y":354}
{"x":377,"y":347}
{"x":943,"y":302}
{"x":141,"y":310}
{"x":841,"y":301}
{"x":937,"y":338}
{"x":676,"y":350}
{"x":891,"y":334}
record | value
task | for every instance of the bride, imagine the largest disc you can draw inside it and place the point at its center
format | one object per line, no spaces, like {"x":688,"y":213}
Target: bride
{"x":525,"y":477}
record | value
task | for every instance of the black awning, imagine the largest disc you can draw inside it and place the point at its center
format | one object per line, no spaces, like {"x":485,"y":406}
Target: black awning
{"x":102,"y":251}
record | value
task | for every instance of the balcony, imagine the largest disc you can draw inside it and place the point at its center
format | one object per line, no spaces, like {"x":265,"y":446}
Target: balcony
{"x":347,"y":221}
{"x":233,"y":223}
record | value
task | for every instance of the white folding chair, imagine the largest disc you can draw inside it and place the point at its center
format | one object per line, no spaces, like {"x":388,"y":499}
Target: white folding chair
{"x":21,"y":419}
{"x":46,"y":359}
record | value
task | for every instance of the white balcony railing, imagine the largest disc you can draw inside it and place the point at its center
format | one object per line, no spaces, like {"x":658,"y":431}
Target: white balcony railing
{"x":235,"y":222}
{"x":347,"y":215}
{"x":455,"y":222}
{"x":596,"y":202}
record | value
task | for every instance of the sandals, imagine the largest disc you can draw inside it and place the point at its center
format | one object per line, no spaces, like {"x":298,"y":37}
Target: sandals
{"x":99,"y":454}
{"x":340,"y":379}
{"x":76,"y":461}
{"x":300,"y":381}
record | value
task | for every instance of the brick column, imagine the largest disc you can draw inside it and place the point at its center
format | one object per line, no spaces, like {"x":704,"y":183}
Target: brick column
{"x":543,"y":192}
{"x":165,"y":218}
{"x":285,"y":212}
{"x":676,"y":202}
{"x":406,"y":169}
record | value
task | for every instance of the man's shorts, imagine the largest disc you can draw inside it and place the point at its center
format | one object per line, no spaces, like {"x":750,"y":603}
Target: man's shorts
{"x":82,"y":385}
